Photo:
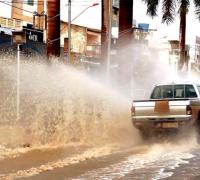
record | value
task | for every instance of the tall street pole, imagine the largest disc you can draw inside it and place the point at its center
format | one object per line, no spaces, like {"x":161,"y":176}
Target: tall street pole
{"x":18,"y":81}
{"x":69,"y":31}
{"x":109,"y":41}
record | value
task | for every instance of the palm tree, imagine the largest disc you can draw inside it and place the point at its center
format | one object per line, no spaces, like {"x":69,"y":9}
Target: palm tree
{"x":169,"y":8}
{"x":183,"y":10}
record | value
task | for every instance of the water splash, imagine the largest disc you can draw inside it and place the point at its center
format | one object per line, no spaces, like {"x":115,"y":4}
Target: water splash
{"x":59,"y":104}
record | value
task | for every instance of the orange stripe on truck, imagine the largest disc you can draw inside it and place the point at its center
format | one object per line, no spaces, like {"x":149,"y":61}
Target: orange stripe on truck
{"x":161,"y":107}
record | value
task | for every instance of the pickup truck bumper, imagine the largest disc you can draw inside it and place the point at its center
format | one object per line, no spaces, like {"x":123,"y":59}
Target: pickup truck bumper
{"x":162,"y":123}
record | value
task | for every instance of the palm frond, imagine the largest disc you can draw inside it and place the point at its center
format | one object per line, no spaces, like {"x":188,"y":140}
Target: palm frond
{"x":184,"y":6}
{"x":152,"y":6}
{"x":197,"y":6}
{"x":168,"y":9}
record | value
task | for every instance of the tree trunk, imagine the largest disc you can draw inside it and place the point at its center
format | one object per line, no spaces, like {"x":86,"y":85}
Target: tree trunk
{"x":182,"y":34}
{"x":53,"y":29}
{"x":125,"y":22}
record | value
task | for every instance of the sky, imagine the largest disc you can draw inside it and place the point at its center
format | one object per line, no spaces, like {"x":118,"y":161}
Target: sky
{"x":90,"y":18}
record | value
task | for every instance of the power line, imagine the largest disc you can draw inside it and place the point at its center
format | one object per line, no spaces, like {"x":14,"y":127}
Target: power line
{"x":17,"y":7}
{"x":121,"y":33}
{"x":7,"y":3}
{"x":37,"y":2}
{"x":71,"y":20}
{"x":57,"y":14}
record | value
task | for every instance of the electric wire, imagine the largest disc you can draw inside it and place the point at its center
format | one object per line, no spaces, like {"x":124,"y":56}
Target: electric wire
{"x":7,"y":3}
{"x":18,"y":7}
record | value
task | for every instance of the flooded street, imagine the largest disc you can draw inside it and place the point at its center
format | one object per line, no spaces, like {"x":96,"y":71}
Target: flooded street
{"x":167,"y":160}
{"x":72,"y":126}
{"x":99,"y":90}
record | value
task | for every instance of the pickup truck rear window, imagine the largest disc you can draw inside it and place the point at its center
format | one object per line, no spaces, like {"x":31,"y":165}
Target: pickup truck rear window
{"x":174,"y":91}
{"x":167,"y":91}
{"x":179,"y":91}
{"x":156,"y":93}
{"x":162,"y":92}
{"x":190,"y":91}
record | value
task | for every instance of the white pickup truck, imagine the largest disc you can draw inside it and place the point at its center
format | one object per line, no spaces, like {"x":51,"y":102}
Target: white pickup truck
{"x":171,"y":106}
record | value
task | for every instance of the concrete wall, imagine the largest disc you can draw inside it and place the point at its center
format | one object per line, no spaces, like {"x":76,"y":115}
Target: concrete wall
{"x":78,"y":35}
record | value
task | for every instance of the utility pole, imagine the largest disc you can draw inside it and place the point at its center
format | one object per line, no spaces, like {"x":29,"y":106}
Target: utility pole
{"x":109,"y":40}
{"x":18,"y":81}
{"x":69,"y":31}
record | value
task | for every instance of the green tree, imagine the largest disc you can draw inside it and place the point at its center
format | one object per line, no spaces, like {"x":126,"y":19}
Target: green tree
{"x":170,"y":8}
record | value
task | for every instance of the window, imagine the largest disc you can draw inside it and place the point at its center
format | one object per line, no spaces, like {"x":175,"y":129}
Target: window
{"x":174,"y":91}
{"x":167,"y":91}
{"x":156,"y":93}
{"x":179,"y":91}
{"x":30,"y":2}
{"x":162,"y":92}
{"x":190,"y":91}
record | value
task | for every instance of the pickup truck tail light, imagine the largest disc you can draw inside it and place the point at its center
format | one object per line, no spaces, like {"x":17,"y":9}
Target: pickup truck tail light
{"x":188,"y":110}
{"x":133,"y":110}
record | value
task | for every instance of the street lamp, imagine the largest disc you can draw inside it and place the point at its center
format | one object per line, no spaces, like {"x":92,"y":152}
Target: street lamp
{"x":109,"y":41}
{"x":95,"y":4}
{"x":18,"y":37}
{"x":70,"y":21}
{"x":69,"y":31}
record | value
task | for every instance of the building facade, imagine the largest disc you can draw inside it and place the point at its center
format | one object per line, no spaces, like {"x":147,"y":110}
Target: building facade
{"x":20,"y":13}
{"x":30,"y":15}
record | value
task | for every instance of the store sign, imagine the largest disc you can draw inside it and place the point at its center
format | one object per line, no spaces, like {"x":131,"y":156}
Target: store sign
{"x":33,"y":34}
{"x":33,"y":37}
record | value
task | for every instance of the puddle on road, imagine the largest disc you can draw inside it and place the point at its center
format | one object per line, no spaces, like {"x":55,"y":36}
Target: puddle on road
{"x":157,"y":162}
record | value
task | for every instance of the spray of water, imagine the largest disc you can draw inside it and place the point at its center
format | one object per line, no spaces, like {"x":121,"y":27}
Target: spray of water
{"x":59,"y":105}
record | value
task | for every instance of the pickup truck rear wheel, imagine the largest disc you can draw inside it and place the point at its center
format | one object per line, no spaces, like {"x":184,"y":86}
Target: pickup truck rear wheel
{"x":145,"y":135}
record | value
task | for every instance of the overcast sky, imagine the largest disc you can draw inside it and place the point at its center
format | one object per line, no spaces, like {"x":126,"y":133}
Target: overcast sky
{"x":90,"y":18}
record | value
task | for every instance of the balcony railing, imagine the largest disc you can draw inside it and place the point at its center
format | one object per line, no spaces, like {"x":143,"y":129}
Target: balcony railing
{"x":11,"y":23}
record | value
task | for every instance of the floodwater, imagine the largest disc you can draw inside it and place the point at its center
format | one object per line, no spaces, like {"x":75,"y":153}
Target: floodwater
{"x":72,"y":126}
{"x":156,"y":160}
